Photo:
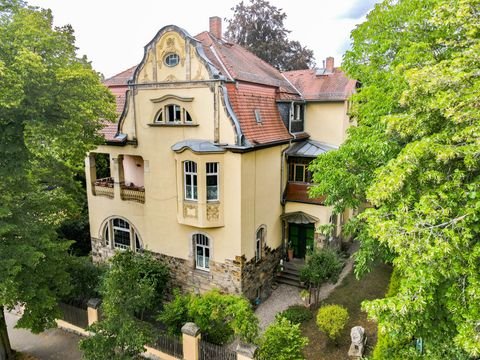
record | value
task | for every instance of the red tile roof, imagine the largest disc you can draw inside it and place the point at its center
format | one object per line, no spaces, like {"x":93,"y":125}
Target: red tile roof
{"x":245,"y":99}
{"x":109,"y":130}
{"x":121,"y":78}
{"x":330,"y":87}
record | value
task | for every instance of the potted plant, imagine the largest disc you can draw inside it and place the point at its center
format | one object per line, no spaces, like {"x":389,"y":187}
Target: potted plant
{"x":290,"y":251}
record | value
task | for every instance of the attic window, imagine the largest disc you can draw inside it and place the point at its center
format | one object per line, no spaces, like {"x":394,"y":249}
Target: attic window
{"x":258,"y":116}
{"x":171,"y":60}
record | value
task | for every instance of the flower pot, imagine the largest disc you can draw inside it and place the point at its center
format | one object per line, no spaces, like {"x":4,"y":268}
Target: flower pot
{"x":290,"y":254}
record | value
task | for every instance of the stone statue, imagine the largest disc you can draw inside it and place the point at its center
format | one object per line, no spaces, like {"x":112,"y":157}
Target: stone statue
{"x":359,"y":340}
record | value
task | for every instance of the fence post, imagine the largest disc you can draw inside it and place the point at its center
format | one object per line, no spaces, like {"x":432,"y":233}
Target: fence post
{"x":246,"y":351}
{"x":93,"y":307}
{"x":191,"y":341}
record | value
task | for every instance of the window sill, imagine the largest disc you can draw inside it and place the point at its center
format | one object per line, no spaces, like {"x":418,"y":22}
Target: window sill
{"x":172,"y":125}
{"x":201,"y":272}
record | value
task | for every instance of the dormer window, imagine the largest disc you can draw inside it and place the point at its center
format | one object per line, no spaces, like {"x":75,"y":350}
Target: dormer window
{"x":172,"y":60}
{"x":258,"y":116}
{"x":297,"y":112}
{"x":173,"y":114}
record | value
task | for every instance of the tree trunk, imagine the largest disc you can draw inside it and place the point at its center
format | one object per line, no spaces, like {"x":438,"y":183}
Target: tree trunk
{"x":6,"y":352}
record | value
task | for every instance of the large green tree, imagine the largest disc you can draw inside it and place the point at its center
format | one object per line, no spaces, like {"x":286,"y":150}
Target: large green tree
{"x":258,"y":26}
{"x":50,"y":105}
{"x":414,"y":157}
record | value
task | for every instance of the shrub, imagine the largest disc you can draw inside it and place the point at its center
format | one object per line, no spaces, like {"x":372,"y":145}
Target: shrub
{"x":323,"y":265}
{"x":282,"y":341}
{"x":85,"y":278}
{"x":296,"y":314}
{"x":331,"y":319}
{"x":175,"y":313}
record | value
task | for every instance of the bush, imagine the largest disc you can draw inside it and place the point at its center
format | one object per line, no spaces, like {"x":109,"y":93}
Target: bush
{"x":296,"y":314}
{"x":282,"y":341}
{"x":323,"y":265}
{"x":85,"y":279}
{"x":331,"y":319}
{"x":175,"y":313}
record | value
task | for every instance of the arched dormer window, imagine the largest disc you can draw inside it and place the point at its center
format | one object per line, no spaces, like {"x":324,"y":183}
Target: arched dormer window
{"x":173,"y":114}
{"x":118,"y":233}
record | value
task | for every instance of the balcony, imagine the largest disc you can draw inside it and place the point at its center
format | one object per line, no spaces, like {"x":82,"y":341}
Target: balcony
{"x":103,"y":187}
{"x":298,"y":192}
{"x":133,"y":193}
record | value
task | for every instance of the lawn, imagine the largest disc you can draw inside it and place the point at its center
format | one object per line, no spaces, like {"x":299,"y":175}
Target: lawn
{"x":349,"y":294}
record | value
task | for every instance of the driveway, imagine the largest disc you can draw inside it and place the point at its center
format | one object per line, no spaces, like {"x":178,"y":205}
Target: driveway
{"x":52,"y":344}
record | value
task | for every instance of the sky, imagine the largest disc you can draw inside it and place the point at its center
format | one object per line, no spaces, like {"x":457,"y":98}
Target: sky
{"x":113,"y":33}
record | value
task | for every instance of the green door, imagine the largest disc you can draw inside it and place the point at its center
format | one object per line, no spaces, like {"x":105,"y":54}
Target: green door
{"x":301,"y":236}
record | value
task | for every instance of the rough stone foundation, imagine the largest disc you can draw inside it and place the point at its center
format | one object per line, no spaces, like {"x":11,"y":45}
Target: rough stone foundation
{"x":237,"y":276}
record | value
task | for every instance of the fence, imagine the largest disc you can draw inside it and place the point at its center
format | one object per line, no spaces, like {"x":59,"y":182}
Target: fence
{"x":169,"y":344}
{"x":74,"y":315}
{"x":209,"y":351}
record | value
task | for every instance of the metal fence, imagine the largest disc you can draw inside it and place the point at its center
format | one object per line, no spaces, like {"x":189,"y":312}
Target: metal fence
{"x":74,"y":315}
{"x":209,"y":351}
{"x":169,"y":344}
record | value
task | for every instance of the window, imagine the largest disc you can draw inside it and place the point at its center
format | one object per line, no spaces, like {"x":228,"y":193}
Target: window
{"x":202,"y":252}
{"x":119,"y":234}
{"x":212,"y":181}
{"x":298,"y":171}
{"x":259,"y":242}
{"x":190,"y":180}
{"x":298,"y":112}
{"x":297,"y":117}
{"x":258,"y":116}
{"x":172,"y":60}
{"x":173,"y":114}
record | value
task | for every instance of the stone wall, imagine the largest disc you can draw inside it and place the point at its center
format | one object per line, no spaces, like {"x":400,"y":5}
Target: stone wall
{"x":236,"y":276}
{"x":257,"y":276}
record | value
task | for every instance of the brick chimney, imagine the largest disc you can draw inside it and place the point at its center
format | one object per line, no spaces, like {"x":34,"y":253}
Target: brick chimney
{"x":329,"y":65}
{"x":216,"y":26}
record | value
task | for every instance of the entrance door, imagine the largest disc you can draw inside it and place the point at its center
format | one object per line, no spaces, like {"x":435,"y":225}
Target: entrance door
{"x":301,"y":236}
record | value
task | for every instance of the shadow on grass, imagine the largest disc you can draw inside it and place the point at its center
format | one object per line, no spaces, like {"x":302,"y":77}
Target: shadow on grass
{"x":349,"y":294}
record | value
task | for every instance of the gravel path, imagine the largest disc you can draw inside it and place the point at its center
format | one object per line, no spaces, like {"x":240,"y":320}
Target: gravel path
{"x":286,"y":295}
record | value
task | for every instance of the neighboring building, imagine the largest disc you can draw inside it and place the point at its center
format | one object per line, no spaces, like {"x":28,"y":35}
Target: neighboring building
{"x":208,"y":160}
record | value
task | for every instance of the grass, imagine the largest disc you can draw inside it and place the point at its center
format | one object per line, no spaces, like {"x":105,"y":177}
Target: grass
{"x":349,"y":294}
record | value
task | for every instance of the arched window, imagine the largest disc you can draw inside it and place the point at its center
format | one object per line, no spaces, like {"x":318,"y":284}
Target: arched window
{"x":173,"y":114}
{"x":120,"y":234}
{"x":259,"y":243}
{"x":202,"y":251}
{"x":190,"y":180}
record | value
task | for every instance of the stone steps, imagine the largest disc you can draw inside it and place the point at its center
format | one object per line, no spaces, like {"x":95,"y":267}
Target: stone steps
{"x":290,"y":275}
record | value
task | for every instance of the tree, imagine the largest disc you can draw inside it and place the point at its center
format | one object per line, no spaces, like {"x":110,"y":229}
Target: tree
{"x":282,"y":340}
{"x":414,"y":158}
{"x":259,"y":27}
{"x":50,"y":106}
{"x":321,"y":266}
{"x":219,"y":316}
{"x":133,"y":286}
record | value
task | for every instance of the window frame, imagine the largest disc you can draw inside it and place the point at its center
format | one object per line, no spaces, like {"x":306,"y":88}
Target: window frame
{"x":202,"y":242}
{"x":173,"y":114}
{"x":214,"y":174}
{"x":166,"y":59}
{"x":109,"y":230}
{"x":259,"y":243}
{"x":193,"y":176}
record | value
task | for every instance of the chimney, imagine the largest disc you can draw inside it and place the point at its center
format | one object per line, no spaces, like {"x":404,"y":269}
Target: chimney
{"x":329,"y":67}
{"x":216,"y":26}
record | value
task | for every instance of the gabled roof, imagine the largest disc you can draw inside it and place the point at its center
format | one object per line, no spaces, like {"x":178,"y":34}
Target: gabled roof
{"x":309,"y":148}
{"x":334,"y":86}
{"x":237,"y":63}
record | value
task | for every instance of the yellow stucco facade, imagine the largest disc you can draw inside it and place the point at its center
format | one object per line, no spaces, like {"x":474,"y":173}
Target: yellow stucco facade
{"x":179,"y":114}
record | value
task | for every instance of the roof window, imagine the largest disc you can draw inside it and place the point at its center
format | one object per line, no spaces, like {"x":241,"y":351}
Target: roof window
{"x":258,"y":116}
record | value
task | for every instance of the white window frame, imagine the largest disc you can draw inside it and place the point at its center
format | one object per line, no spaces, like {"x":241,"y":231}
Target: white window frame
{"x":109,"y":235}
{"x":202,"y":242}
{"x":190,"y":172}
{"x":168,"y":57}
{"x":259,"y":242}
{"x":212,"y":170}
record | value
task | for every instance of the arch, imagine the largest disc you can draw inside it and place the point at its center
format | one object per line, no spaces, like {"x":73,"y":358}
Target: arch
{"x":202,"y":250}
{"x":260,"y":241}
{"x":117,"y":232}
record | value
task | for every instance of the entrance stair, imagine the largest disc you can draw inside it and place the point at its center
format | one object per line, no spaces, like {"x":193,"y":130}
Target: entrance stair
{"x":291,"y":273}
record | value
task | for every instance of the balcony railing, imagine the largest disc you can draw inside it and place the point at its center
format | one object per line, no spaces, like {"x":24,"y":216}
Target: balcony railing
{"x":133,"y":193}
{"x":103,"y":187}
{"x":298,"y":192}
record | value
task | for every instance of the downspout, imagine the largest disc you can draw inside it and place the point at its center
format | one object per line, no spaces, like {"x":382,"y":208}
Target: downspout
{"x":134,"y":114}
{"x":282,"y":172}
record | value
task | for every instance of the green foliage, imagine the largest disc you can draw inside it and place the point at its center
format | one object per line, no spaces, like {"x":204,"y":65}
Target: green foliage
{"x":219,"y":316}
{"x":282,"y":340}
{"x":321,"y":266}
{"x":134,"y":284}
{"x":414,"y":158}
{"x":258,"y":26}
{"x":296,"y":314}
{"x":85,"y":279}
{"x":332,"y":319}
{"x":51,"y":103}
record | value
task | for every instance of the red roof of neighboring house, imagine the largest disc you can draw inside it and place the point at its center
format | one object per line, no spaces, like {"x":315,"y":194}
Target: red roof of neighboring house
{"x":335,"y":86}
{"x":109,"y":130}
{"x":120,"y":79}
{"x":245,"y":100}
